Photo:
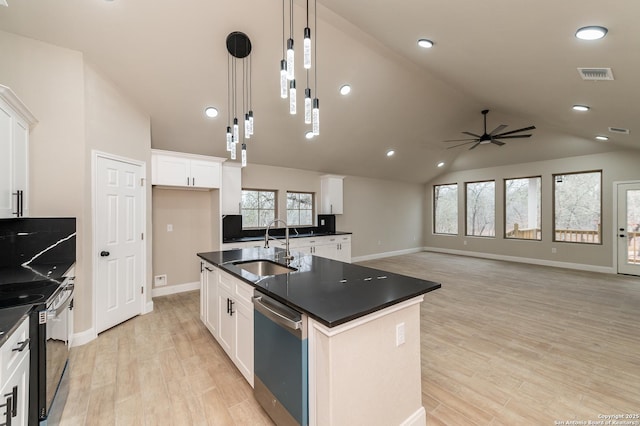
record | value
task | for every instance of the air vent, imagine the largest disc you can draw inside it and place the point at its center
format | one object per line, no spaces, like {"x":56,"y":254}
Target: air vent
{"x":596,"y":73}
{"x":619,"y":130}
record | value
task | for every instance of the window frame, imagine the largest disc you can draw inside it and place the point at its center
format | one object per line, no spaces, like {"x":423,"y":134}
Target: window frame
{"x":466,"y":207}
{"x":433,"y":196}
{"x":504,"y":190}
{"x":313,"y":207}
{"x":553,"y":207}
{"x":275,"y":206}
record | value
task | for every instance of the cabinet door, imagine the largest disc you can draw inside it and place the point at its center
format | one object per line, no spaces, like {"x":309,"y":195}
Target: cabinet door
{"x":6,"y":163}
{"x":331,"y":195}
{"x":205,"y":174}
{"x":203,"y":294}
{"x":21,"y":163}
{"x":244,"y":340}
{"x":226,"y":323}
{"x":211,"y":315}
{"x":172,"y":171}
{"x":231,"y":189}
{"x":344,"y":251}
{"x":17,"y":387}
{"x":330,"y":251}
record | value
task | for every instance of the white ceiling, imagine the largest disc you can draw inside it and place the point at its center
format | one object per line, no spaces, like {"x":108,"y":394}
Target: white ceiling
{"x":517,"y":58}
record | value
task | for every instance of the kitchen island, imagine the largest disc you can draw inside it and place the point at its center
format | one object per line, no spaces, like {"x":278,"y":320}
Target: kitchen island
{"x":363,"y":330}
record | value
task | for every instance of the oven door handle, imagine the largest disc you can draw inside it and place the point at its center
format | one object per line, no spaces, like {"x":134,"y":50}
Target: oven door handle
{"x":54,"y":313}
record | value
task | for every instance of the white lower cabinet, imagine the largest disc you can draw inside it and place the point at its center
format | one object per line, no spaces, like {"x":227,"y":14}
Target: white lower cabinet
{"x":14,"y":377}
{"x":228,"y":314}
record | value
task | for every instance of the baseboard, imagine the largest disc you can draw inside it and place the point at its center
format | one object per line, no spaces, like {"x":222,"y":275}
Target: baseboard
{"x":542,"y":262}
{"x":418,"y":418}
{"x":84,"y":337}
{"x":386,"y":254}
{"x":173,"y":289}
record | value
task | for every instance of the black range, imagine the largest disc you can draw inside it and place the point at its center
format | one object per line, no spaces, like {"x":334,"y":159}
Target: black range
{"x":329,"y":291}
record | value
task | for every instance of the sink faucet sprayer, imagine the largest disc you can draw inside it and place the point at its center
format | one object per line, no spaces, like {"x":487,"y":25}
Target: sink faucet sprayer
{"x":287,"y":253}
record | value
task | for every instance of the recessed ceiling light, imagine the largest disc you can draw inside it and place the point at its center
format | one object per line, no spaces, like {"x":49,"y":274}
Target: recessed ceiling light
{"x":390,"y":153}
{"x":425,"y":44}
{"x":345,"y":89}
{"x":211,"y":112}
{"x":581,"y":108}
{"x":309,"y":135}
{"x":591,"y":33}
{"x":440,"y":164}
{"x":602,"y":138}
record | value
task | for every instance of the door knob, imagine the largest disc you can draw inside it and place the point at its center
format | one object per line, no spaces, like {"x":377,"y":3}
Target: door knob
{"x":104,"y":253}
{"x":622,"y":236}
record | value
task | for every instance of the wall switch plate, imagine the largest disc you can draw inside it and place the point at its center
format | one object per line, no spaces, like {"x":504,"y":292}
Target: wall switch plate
{"x":553,"y":250}
{"x":400,"y":334}
{"x":160,"y":280}
{"x":169,"y":227}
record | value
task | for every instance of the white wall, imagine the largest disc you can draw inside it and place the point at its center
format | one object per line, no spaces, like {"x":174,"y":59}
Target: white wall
{"x":615,"y":166}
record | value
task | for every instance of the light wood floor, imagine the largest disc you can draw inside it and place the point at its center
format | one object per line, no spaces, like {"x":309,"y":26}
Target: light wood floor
{"x":502,"y":344}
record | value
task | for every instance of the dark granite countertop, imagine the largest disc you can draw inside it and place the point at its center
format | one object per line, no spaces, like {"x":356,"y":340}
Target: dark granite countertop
{"x":329,"y":291}
{"x":10,"y":319}
{"x":277,"y":235}
{"x":36,"y":272}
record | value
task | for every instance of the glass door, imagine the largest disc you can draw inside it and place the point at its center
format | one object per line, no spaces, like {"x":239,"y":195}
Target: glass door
{"x":628,"y":229}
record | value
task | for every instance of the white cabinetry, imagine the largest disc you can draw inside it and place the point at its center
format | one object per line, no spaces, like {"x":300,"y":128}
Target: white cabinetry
{"x":14,"y":376}
{"x":185,"y":170}
{"x":331,"y":194}
{"x":336,"y":247}
{"x":231,"y":188}
{"x":15,"y":122}
{"x":227,"y":311}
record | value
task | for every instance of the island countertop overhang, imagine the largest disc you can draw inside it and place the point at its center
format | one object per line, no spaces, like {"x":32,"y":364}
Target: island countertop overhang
{"x":328,"y":291}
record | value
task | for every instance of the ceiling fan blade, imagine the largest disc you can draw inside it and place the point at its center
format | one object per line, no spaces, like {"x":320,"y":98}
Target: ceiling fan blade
{"x":497,"y":142}
{"x":460,"y":140}
{"x":524,"y":129}
{"x":476,"y":144}
{"x":460,"y":144}
{"x":512,"y":137}
{"x":471,"y":134}
{"x":497,"y":129}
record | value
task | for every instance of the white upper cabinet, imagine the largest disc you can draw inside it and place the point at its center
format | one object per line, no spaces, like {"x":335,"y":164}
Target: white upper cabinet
{"x":231,"y":188}
{"x":170,"y":168}
{"x":331,"y":198}
{"x":15,"y":123}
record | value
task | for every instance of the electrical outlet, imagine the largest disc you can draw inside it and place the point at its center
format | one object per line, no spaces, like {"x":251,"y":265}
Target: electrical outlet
{"x":321,"y":222}
{"x":553,"y":250}
{"x":169,"y":227}
{"x":400,"y":334}
{"x":464,"y":242}
{"x":160,"y":280}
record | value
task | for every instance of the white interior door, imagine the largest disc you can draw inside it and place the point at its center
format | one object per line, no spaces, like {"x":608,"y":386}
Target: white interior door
{"x":628,"y":229}
{"x":118,"y":234}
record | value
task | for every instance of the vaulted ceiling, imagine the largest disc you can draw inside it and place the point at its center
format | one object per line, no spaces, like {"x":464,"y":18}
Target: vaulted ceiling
{"x":517,"y":58}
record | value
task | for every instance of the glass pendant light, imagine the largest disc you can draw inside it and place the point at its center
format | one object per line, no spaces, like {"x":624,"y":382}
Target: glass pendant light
{"x":236,"y":130}
{"x":307,"y":106}
{"x":307,"y":48}
{"x":283,"y":79}
{"x":229,"y":138}
{"x":315,"y":112}
{"x":292,"y":97}
{"x":244,"y":155}
{"x":233,"y":150}
{"x":247,"y":133}
{"x":251,"y":122}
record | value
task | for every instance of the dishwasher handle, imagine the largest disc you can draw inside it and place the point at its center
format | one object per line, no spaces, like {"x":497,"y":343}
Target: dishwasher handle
{"x":278,"y":317}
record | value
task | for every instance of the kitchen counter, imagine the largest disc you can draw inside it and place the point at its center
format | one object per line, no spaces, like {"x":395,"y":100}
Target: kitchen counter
{"x":275,"y":233}
{"x":328,"y":291}
{"x":10,"y":319}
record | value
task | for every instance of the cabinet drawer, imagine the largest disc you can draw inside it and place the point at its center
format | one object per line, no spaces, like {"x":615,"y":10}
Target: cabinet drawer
{"x":244,"y":293}
{"x":10,"y":353}
{"x":226,"y":281}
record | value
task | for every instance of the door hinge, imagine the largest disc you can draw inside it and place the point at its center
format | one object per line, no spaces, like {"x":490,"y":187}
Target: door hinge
{"x":142,"y":290}
{"x":142,"y":236}
{"x":141,"y":181}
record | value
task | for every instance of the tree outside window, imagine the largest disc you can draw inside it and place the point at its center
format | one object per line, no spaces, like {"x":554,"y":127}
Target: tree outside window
{"x":577,"y":207}
{"x":522,"y":208}
{"x":258,"y":208}
{"x":445,"y":209}
{"x":481,"y":205}
{"x":299,"y":208}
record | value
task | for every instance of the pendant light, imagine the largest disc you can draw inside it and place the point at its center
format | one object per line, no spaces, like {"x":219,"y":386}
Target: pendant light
{"x":292,"y":97}
{"x":239,"y":47}
{"x":290,"y":52}
{"x":307,"y":43}
{"x":315,"y":111}
{"x":283,"y":64}
{"x":307,"y":103}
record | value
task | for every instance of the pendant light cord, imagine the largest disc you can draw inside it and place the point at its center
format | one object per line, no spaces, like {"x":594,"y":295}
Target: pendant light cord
{"x":315,"y":45}
{"x":291,"y":19}
{"x":283,"y":40}
{"x":229,"y":89}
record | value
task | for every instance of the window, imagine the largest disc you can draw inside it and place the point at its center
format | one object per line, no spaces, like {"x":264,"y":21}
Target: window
{"x":481,"y":209}
{"x":577,"y":207}
{"x":522,"y":208}
{"x":445,"y":209}
{"x":299,"y":208}
{"x":258,"y":208}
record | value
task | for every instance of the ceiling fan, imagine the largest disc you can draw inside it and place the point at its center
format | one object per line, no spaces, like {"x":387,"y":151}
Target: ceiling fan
{"x":492,"y":137}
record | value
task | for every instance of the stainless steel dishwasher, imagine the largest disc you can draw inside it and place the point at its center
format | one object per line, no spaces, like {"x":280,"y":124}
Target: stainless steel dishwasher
{"x":280,"y":361}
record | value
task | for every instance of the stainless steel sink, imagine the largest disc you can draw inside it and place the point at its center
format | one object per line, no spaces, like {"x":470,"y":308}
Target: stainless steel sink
{"x":263,"y":267}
